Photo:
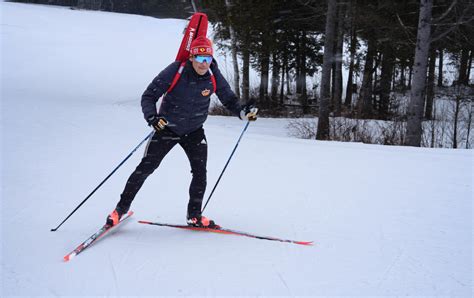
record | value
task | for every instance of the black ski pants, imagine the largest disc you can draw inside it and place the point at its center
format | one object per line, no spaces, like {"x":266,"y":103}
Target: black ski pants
{"x":195,"y":147}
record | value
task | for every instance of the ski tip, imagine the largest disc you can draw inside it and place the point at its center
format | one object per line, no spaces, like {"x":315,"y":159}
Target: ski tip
{"x":68,"y":257}
{"x":144,"y":222}
{"x":307,"y":243}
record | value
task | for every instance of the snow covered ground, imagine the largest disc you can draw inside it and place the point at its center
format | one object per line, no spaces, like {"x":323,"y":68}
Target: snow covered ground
{"x":385,"y":220}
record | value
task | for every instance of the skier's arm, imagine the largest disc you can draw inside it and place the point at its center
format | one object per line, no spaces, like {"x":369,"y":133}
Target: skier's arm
{"x":156,"y":89}
{"x":224,"y":92}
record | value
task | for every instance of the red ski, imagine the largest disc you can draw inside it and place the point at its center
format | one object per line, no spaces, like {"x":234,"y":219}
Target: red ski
{"x":225,"y":231}
{"x":94,"y":237}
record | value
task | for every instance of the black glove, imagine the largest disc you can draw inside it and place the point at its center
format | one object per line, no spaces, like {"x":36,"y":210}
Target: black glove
{"x":158,"y":123}
{"x":249,"y":112}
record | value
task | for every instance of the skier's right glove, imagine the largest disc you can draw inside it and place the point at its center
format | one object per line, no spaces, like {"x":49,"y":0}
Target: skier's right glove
{"x":158,"y":123}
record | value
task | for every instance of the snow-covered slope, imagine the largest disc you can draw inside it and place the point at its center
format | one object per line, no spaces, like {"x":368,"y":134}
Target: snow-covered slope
{"x":385,"y":220}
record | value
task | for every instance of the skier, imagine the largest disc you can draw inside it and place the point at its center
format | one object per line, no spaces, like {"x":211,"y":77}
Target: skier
{"x":179,"y":120}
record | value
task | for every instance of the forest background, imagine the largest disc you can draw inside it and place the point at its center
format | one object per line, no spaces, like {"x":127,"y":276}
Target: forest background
{"x":380,"y":71}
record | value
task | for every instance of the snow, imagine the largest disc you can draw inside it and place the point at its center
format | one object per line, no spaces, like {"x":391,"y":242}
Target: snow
{"x":385,"y":220}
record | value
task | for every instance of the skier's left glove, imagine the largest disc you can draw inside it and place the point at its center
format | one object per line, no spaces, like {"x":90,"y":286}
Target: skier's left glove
{"x":249,"y":112}
{"x":158,"y":123}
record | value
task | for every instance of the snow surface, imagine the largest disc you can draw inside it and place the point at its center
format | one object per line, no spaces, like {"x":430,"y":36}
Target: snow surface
{"x":385,"y":220}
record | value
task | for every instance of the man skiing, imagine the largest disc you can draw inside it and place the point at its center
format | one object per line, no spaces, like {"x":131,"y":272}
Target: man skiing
{"x":179,"y":120}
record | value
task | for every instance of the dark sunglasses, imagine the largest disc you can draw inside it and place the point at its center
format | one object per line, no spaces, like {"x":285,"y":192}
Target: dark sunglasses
{"x":202,"y":59}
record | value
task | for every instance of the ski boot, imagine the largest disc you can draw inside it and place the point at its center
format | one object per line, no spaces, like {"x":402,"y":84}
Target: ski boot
{"x":201,"y":222}
{"x":114,"y":217}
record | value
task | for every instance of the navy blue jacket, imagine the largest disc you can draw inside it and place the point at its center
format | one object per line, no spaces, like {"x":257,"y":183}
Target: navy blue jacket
{"x":186,"y":106}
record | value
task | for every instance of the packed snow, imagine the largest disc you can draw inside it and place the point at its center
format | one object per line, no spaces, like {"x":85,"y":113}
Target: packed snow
{"x":384,"y":220}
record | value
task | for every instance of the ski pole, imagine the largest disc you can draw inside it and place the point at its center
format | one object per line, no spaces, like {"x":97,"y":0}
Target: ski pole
{"x":223,"y":170}
{"x":103,"y":181}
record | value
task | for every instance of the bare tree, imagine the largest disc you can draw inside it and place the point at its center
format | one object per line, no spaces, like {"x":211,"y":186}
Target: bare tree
{"x":416,"y":104}
{"x":233,"y":48}
{"x":440,"y":68}
{"x":463,"y":77}
{"x":353,"y":48}
{"x":364,"y":103}
{"x":469,"y":122}
{"x":276,"y":67}
{"x":388,"y":61}
{"x":430,"y":85}
{"x":337,"y":84}
{"x":246,"y":70}
{"x":325,"y":92}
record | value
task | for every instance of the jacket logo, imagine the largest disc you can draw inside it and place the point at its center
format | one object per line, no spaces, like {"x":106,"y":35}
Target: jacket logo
{"x":205,"y":92}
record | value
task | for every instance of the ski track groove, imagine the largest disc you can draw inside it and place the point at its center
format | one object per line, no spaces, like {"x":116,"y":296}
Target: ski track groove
{"x":283,"y":281}
{"x":389,"y":269}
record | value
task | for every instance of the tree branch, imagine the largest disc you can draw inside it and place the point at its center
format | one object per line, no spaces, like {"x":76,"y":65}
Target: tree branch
{"x":407,"y":31}
{"x":445,"y":13}
{"x":460,"y":21}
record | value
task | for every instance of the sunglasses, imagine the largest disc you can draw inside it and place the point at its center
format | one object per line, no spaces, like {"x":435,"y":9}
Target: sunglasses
{"x":202,"y":59}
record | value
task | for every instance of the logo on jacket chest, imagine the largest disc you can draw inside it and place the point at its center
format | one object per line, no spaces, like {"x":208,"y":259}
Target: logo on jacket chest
{"x":205,"y":92}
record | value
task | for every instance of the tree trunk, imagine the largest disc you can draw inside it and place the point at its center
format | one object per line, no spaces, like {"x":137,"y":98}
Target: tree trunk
{"x":245,"y":73}
{"x":462,"y":77}
{"x":325,"y":92}
{"x":375,"y":78}
{"x":235,"y":60}
{"x":365,"y":97}
{"x":349,"y":87}
{"x":283,"y":72}
{"x":264,"y":66}
{"x":337,"y":99}
{"x":433,"y":129}
{"x":430,"y":85}
{"x":402,"y":76}
{"x":440,"y":68}
{"x":288,"y":79}
{"x":388,"y":60}
{"x":275,"y":76}
{"x":456,"y":119}
{"x":394,"y":76}
{"x":469,"y":121}
{"x":469,"y":65}
{"x":304,"y":92}
{"x":298,"y":65}
{"x":415,"y":107}
{"x":333,"y":79}
{"x":410,"y":74}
